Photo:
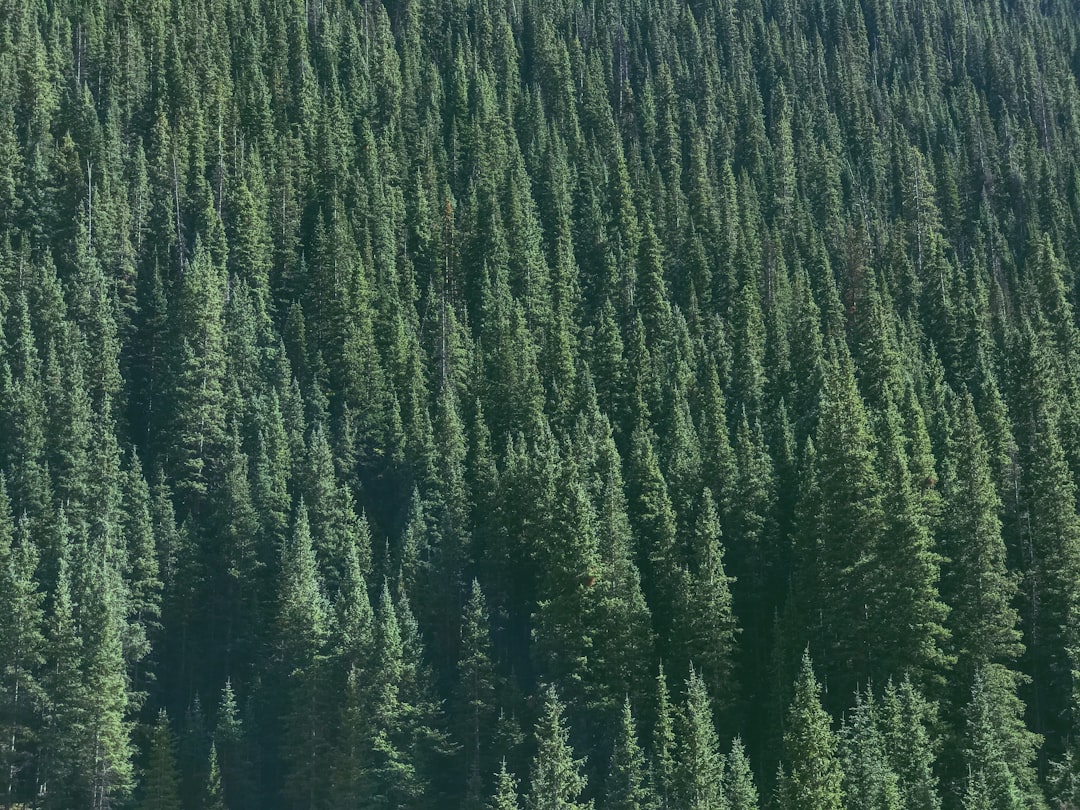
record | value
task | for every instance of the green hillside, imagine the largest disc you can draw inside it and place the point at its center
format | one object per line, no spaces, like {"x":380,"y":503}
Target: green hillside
{"x":539,"y":404}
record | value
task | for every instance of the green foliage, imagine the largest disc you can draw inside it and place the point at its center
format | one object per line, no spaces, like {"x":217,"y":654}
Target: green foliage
{"x":627,"y":784}
{"x":814,"y":777}
{"x":700,"y":770}
{"x":556,"y":780}
{"x":160,"y":786}
{"x":690,"y":335}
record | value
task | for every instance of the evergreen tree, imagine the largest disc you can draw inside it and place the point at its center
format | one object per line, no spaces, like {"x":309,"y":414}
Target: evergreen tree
{"x":999,"y":750}
{"x":700,"y":770}
{"x":23,"y":640}
{"x":556,"y":780}
{"x":214,"y":798}
{"x":476,"y":692}
{"x":506,"y":797}
{"x":869,"y":780}
{"x":739,"y":785}
{"x":814,"y":778}
{"x":905,"y":717}
{"x":663,"y":760}
{"x":626,"y":787}
{"x":302,"y":632}
{"x":977,"y":580}
{"x":160,"y":786}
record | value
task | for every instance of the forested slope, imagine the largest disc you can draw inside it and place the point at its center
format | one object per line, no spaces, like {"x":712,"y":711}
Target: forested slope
{"x":528,"y":403}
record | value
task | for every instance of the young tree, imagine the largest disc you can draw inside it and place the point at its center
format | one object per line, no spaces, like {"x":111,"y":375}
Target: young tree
{"x":739,"y":785}
{"x":627,"y":786}
{"x":556,"y":780}
{"x":700,"y":771}
{"x":476,"y":693}
{"x":814,"y":780}
{"x":160,"y":786}
{"x":870,"y":783}
{"x":506,"y":797}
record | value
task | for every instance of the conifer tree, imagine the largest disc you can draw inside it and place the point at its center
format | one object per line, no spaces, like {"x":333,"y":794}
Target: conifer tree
{"x":476,"y":691}
{"x":302,"y":632}
{"x":814,"y":776}
{"x":869,"y":780}
{"x":214,"y":798}
{"x":663,"y":754}
{"x":567,"y":610}
{"x":160,"y":786}
{"x":506,"y":797}
{"x":977,"y":581}
{"x":23,"y":640}
{"x":905,"y":717}
{"x":906,"y":573}
{"x":700,"y":771}
{"x":850,"y":518}
{"x":710,"y":624}
{"x":739,"y":787}
{"x":654,"y":520}
{"x":230,"y":753}
{"x":556,"y":780}
{"x":626,"y":787}
{"x":104,"y":733}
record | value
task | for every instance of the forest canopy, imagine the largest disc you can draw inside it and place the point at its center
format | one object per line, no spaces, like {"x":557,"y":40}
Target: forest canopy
{"x":547,"y":404}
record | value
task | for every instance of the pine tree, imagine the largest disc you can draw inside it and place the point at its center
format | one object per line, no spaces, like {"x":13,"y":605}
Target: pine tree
{"x":104,"y":744}
{"x":197,"y":397}
{"x":302,"y":632}
{"x":869,"y":780}
{"x":214,"y":798}
{"x":739,"y":785}
{"x":567,"y":610}
{"x":160,"y":786}
{"x":905,"y":717}
{"x":22,"y":641}
{"x":230,"y":753}
{"x":710,"y":625}
{"x":626,"y":787}
{"x":556,"y":781}
{"x":654,"y":520}
{"x":506,"y":797}
{"x":700,"y":770}
{"x":998,"y":748}
{"x":976,"y":580}
{"x":663,"y":754}
{"x":906,"y":572}
{"x":476,"y":691}
{"x":815,"y":776}
{"x":850,"y":518}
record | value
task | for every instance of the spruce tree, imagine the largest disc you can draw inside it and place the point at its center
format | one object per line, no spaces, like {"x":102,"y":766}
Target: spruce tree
{"x":869,"y":780}
{"x":814,"y":777}
{"x":556,"y":780}
{"x":739,"y":787}
{"x":160,"y":786}
{"x":302,"y":633}
{"x":626,"y":787}
{"x":506,"y":797}
{"x":700,"y":770}
{"x":214,"y":798}
{"x":663,"y":750}
{"x":476,"y":692}
{"x":22,"y":640}
{"x":976,"y":579}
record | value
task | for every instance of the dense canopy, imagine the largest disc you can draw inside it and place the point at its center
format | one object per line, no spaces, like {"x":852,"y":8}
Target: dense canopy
{"x":613,"y":404}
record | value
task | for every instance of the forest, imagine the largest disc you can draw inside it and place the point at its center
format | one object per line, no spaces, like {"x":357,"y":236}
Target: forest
{"x":539,"y":404}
